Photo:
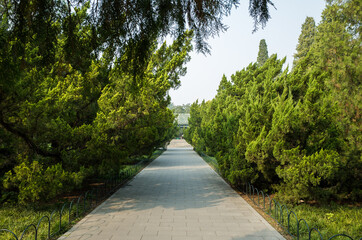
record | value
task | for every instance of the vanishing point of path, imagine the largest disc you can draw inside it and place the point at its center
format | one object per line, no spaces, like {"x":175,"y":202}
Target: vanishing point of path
{"x":178,"y":196}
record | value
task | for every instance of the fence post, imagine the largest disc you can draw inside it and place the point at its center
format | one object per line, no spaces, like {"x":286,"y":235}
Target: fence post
{"x":295,"y":215}
{"x":30,"y":225}
{"x":78,"y":206}
{"x":70,"y":210}
{"x":315,"y":229}
{"x":37,"y":227}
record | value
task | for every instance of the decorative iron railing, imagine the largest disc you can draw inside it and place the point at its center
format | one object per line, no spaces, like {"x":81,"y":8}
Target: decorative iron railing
{"x":279,"y":212}
{"x":284,"y":217}
{"x":61,"y":219}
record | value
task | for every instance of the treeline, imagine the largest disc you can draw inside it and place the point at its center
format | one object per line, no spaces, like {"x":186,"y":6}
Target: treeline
{"x":75,"y":103}
{"x":177,"y":109}
{"x":296,"y":132}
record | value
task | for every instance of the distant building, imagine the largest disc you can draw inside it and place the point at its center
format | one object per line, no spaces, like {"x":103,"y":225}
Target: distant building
{"x":183,"y":120}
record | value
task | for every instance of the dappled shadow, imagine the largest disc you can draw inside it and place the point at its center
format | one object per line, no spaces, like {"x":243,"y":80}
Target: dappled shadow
{"x":178,"y":193}
{"x":177,"y":180}
{"x":256,"y":235}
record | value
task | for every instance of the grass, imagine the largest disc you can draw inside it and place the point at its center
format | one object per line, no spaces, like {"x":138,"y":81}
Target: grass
{"x":211,"y":161}
{"x":330,"y":219}
{"x":156,"y":154}
{"x":17,"y":218}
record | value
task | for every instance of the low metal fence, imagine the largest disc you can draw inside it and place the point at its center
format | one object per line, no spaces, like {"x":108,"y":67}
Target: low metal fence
{"x":286,"y":218}
{"x":278,"y":211}
{"x":60,"y":219}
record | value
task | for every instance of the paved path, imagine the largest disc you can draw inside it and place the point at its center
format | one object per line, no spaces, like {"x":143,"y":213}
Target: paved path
{"x":178,"y":196}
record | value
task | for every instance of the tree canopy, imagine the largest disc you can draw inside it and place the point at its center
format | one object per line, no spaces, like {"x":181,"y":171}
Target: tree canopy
{"x":84,"y":84}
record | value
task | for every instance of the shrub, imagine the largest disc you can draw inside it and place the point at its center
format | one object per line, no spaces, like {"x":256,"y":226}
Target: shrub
{"x":308,"y":177}
{"x":35,"y":181}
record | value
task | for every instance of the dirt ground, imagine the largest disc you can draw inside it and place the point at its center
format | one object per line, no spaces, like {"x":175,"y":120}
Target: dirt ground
{"x":179,"y":143}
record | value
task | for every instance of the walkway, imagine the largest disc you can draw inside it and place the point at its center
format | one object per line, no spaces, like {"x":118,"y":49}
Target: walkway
{"x":178,"y":196}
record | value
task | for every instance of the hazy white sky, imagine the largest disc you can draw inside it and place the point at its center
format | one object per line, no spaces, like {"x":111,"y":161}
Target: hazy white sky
{"x":238,"y":47}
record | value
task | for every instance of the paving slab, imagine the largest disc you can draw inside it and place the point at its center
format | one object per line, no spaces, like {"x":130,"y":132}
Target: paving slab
{"x":177,"y":196}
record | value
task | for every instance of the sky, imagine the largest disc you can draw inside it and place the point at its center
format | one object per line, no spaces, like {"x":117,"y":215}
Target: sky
{"x":236,"y":48}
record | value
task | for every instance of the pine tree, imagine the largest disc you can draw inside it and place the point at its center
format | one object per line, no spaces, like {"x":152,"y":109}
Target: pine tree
{"x":224,"y":85}
{"x":337,"y":52}
{"x":305,"y":40}
{"x":263,"y":53}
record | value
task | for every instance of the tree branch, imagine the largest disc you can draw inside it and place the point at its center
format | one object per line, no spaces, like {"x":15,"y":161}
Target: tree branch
{"x":28,"y":141}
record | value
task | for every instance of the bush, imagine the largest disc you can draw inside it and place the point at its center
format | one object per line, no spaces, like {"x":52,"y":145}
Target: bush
{"x":308,"y":177}
{"x":34,"y":181}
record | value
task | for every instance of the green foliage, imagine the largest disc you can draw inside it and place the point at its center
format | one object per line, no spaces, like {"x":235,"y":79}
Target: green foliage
{"x":298,"y":131}
{"x":305,"y":40}
{"x":71,"y":109}
{"x":17,"y":218}
{"x":331,"y":219}
{"x":35,"y":182}
{"x":307,"y":175}
{"x":158,"y":19}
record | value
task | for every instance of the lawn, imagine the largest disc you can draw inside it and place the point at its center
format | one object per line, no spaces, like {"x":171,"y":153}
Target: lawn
{"x":332,"y":219}
{"x":17,"y":218}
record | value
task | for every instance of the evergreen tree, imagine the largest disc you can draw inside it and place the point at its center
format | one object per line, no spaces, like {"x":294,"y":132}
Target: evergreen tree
{"x":263,"y":53}
{"x":224,"y":85}
{"x":67,"y":114}
{"x":337,"y":52}
{"x":305,"y":40}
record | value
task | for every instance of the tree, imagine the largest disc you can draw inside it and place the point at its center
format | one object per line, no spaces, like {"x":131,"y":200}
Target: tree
{"x":160,"y":18}
{"x":263,"y":53}
{"x":305,"y":40}
{"x":184,"y":108}
{"x":123,"y":24}
{"x":78,"y":114}
{"x":224,"y":85}
{"x":337,"y":52}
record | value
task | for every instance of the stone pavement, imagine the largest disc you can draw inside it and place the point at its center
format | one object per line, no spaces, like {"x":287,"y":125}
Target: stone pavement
{"x":178,"y":196}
